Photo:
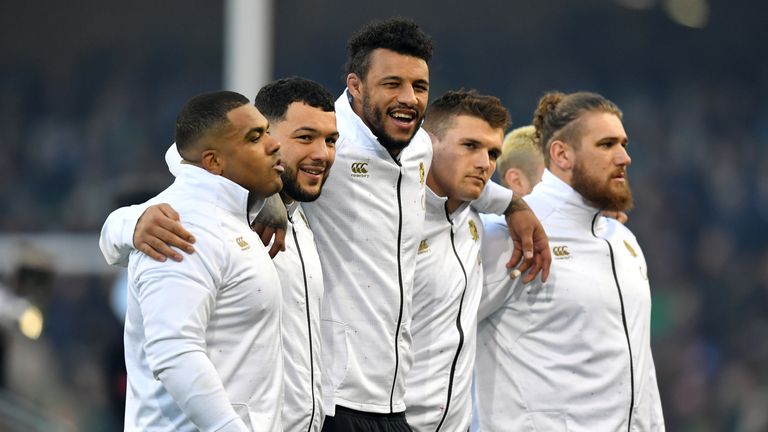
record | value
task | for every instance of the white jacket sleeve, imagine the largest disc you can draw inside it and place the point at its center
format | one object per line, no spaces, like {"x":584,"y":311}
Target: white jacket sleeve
{"x":494,"y":200}
{"x":177,"y":300}
{"x":116,"y":240}
{"x":657,"y":415}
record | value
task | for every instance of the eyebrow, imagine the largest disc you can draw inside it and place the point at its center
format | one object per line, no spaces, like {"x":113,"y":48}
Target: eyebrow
{"x":259,"y":130}
{"x":613,"y":139}
{"x":311,"y":130}
{"x":399,"y":78}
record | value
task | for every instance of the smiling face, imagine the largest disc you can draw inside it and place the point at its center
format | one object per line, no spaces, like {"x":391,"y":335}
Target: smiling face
{"x":392,"y":97}
{"x":464,"y":159}
{"x":601,"y":160}
{"x":308,"y":148}
{"x":247,"y":154}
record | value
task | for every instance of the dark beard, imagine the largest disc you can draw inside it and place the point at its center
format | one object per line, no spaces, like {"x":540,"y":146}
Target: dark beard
{"x":375,"y":119}
{"x":294,"y":191}
{"x":599,"y":193}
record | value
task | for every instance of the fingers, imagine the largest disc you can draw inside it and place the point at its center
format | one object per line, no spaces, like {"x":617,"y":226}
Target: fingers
{"x":168,"y":211}
{"x":168,"y":236}
{"x":266,"y":235}
{"x":524,"y":267}
{"x":531,"y":244}
{"x":278,"y":243}
{"x":159,"y":229}
{"x":175,"y":229}
{"x":542,"y":250}
{"x":517,"y":255}
{"x":159,"y":250}
{"x":269,"y":234}
{"x":526,"y":238}
{"x":533,"y":271}
{"x":152,"y":253}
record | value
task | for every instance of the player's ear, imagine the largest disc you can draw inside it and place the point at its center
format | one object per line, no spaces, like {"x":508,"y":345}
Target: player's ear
{"x":561,"y":155}
{"x":516,"y":180}
{"x":212,"y":161}
{"x":355,"y":86}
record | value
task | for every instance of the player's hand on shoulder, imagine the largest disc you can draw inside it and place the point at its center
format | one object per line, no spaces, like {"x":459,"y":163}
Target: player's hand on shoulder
{"x":158,"y":230}
{"x":530,"y":240}
{"x":272,"y":221}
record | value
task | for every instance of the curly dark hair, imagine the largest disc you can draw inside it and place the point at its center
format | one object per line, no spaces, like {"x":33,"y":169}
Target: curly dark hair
{"x":274,"y":98}
{"x":440,"y":113}
{"x":400,"y":35}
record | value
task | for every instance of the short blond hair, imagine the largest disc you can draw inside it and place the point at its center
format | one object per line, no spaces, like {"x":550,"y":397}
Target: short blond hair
{"x":521,"y":151}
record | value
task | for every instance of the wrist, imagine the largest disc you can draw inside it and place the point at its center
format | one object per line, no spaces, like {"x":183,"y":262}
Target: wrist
{"x":517,"y":204}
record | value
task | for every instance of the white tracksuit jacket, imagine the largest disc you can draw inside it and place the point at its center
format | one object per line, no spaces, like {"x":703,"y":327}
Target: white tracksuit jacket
{"x":368,"y":224}
{"x":202,"y":337}
{"x":302,"y":280}
{"x":446,"y":295}
{"x":574,"y":353}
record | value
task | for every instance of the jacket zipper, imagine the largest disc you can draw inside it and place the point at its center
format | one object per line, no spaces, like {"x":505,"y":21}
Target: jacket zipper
{"x":458,"y":325}
{"x":400,"y":281}
{"x":309,"y":324}
{"x":624,"y":322}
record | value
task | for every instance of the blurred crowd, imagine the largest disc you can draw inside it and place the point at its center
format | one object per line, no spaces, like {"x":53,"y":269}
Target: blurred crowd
{"x":82,"y":137}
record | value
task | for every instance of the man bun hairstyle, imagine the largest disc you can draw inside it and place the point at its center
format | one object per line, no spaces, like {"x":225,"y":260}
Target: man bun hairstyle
{"x":202,"y":114}
{"x":274,"y":98}
{"x":440,"y":114}
{"x":557,"y":114}
{"x":400,"y":35}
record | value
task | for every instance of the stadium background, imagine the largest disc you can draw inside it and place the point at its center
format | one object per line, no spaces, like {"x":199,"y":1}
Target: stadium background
{"x":90,"y":91}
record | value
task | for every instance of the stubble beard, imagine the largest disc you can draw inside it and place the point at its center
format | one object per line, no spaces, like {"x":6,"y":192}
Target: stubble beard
{"x":293,"y":189}
{"x":599,"y":191}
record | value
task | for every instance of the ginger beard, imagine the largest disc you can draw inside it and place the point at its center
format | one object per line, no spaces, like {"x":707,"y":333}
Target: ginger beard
{"x":602,"y":189}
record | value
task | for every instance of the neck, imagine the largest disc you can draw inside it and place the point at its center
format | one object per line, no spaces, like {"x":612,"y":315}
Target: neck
{"x":453,"y":204}
{"x":565,"y":176}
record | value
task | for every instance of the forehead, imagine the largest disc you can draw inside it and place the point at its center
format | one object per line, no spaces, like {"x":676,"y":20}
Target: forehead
{"x":385,"y":63}
{"x":246,"y":117}
{"x":599,"y":125}
{"x":300,"y":115}
{"x":466,"y":127}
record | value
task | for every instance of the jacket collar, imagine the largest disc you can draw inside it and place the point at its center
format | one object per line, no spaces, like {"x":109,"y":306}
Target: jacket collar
{"x":291,"y":208}
{"x":558,"y":195}
{"x":436,"y":205}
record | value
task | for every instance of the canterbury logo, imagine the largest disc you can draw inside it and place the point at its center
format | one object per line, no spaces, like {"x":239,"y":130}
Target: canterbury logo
{"x":560,"y":251}
{"x":242,"y":243}
{"x":360,"y":168}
